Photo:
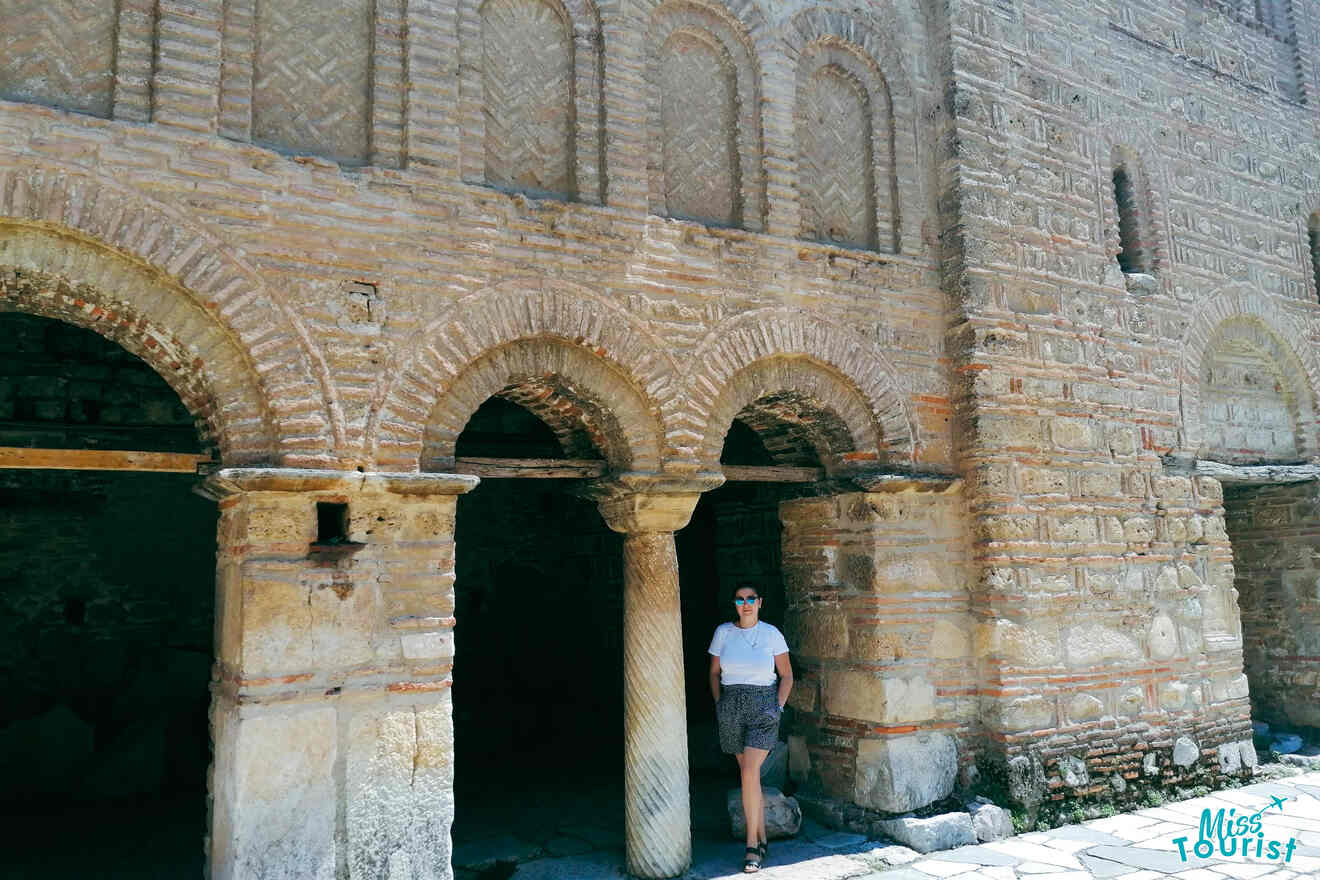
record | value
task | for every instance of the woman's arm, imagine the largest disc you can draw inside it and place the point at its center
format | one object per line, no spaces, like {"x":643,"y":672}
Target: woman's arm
{"x":785,"y":670}
{"x":715,"y":677}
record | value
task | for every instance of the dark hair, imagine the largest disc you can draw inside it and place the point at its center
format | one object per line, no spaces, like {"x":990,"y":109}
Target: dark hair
{"x":745,"y":585}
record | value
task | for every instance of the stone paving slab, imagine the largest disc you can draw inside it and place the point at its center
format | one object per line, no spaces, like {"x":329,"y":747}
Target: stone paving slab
{"x":1131,"y":846}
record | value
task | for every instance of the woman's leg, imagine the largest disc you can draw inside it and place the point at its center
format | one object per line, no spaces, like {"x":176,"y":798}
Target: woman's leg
{"x":753,"y":806}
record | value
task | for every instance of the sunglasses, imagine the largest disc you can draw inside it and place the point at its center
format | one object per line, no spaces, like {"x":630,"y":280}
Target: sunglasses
{"x":750,"y":600}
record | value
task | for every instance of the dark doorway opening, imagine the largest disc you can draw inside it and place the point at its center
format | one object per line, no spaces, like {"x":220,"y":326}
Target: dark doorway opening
{"x":538,"y":684}
{"x":1275,"y":534}
{"x":733,"y":539}
{"x":106,"y":618}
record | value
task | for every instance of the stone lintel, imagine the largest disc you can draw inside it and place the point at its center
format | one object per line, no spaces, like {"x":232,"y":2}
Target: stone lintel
{"x":236,"y":481}
{"x":634,"y":503}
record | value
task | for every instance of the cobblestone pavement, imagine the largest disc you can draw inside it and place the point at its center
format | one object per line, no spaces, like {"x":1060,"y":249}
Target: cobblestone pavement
{"x":1131,"y":846}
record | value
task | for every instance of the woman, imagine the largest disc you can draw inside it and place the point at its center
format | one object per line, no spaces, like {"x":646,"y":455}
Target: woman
{"x":744,"y":657}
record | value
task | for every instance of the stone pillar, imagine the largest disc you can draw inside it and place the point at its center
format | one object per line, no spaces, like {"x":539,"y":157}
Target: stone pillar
{"x":648,"y":510}
{"x":331,"y":712}
{"x":878,"y":620}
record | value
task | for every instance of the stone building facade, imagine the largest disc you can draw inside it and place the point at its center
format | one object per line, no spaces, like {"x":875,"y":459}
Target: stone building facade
{"x":1004,"y":272}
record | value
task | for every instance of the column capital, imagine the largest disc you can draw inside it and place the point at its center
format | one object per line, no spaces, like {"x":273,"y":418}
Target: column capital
{"x":237,"y":481}
{"x":633,"y":503}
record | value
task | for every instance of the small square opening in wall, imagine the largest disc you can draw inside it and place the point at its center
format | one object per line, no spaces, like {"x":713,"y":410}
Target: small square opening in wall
{"x":331,"y":523}
{"x":363,"y":302}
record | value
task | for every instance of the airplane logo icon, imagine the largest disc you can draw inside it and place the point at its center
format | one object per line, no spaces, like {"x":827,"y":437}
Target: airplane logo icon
{"x":1277,"y":802}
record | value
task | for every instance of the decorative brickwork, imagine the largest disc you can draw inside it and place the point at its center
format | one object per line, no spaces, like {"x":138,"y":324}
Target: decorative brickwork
{"x":527,"y":84}
{"x":703,"y":108}
{"x":845,"y":147}
{"x":530,"y":96}
{"x":224,"y":312}
{"x":834,"y":371}
{"x":312,"y":86}
{"x":58,"y":53}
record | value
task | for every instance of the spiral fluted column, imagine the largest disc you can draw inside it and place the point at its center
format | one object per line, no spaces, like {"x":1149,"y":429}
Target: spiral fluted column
{"x":648,"y":510}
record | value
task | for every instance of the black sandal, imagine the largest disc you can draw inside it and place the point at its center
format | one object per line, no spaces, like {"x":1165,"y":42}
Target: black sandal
{"x":764,"y":847}
{"x":752,"y":860}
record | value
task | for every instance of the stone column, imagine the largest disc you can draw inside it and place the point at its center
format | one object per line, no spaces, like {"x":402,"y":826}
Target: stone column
{"x":648,"y":510}
{"x":330,"y":706}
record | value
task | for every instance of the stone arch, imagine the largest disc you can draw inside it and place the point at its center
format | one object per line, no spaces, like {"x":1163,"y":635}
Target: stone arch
{"x":521,"y":310}
{"x":97,"y":235}
{"x":728,"y":45}
{"x":871,"y":56}
{"x":1242,"y":314}
{"x":824,"y":361}
{"x":801,"y":409}
{"x":539,"y":56}
{"x":589,"y":405}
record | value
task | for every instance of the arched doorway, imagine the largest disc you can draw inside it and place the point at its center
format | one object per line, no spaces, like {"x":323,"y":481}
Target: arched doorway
{"x":538,"y":688}
{"x":106,"y":586}
{"x":776,"y":446}
{"x":1256,"y":408}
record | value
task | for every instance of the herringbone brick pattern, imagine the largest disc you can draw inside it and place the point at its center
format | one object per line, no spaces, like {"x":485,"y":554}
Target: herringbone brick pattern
{"x":311,"y":89}
{"x":698,"y":132}
{"x":836,"y":172}
{"x":527,"y":79}
{"x":58,"y":52}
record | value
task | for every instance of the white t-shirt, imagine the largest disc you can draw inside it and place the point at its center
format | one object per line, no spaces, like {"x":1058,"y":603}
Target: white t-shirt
{"x":747,"y":656}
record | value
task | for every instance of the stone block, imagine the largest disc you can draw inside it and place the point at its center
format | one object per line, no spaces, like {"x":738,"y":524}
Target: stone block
{"x":906,"y":772}
{"x":817,"y":631}
{"x":783,"y":816}
{"x":1230,"y":757}
{"x":1162,"y":638}
{"x":398,"y":779}
{"x":1026,"y":713}
{"x":948,"y":641}
{"x":1185,"y":752}
{"x":1084,"y":707}
{"x":274,"y":794}
{"x":1173,"y":695}
{"x":1092,"y":644}
{"x":1026,"y":779}
{"x":1032,"y":645}
{"x":1072,"y":770}
{"x":990,"y":822}
{"x":944,"y":831}
{"x":867,"y":696}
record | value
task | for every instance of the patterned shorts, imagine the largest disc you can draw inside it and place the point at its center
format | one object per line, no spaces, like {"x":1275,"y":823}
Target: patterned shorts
{"x":748,"y":717}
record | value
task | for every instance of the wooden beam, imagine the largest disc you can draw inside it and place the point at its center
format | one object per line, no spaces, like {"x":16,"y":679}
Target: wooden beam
{"x":739,"y":474}
{"x":544,"y":468}
{"x":18,"y":457}
{"x":1257,"y":475}
{"x":586,"y":469}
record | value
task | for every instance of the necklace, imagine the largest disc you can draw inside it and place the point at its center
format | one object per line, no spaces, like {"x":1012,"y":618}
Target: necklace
{"x":756,"y":634}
